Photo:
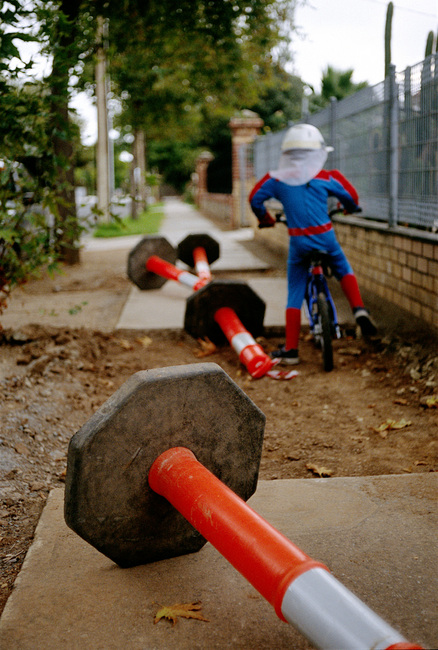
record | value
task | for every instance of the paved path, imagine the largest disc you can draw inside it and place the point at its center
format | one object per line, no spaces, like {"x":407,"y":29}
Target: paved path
{"x":377,"y":535}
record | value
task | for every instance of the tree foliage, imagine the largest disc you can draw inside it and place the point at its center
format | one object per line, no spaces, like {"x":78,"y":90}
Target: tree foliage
{"x":24,"y":232}
{"x":178,"y":68}
{"x":208,"y":56}
{"x":278,"y":99}
{"x":181,"y":82}
{"x":335,"y":83}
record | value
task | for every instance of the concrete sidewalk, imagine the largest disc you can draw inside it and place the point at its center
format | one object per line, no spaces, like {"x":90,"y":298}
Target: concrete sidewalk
{"x":377,"y":535}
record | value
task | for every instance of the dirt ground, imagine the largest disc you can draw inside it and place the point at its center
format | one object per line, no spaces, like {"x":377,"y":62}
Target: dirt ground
{"x":376,"y":413}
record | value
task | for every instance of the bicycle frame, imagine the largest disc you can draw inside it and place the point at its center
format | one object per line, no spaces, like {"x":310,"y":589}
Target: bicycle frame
{"x":319,"y":304}
{"x":316,"y":284}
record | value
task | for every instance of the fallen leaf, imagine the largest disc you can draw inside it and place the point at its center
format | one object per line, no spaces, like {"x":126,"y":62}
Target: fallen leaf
{"x":189,"y":610}
{"x":320,"y":471}
{"x":401,"y":424}
{"x":390,"y":425}
{"x":145,"y":341}
{"x":420,"y":462}
{"x":20,"y":448}
{"x":207,"y":348}
{"x":350,"y":352}
{"x":126,"y":345}
{"x":430,"y":402}
{"x":415,"y":375}
{"x":36,"y":486}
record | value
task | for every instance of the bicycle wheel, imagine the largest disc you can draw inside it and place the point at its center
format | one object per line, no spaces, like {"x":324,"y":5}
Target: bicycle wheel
{"x":326,"y":332}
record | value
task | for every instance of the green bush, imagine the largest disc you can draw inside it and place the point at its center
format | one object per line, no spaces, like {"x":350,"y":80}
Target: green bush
{"x":26,"y":237}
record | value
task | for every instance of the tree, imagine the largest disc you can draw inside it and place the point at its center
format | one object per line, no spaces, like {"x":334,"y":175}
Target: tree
{"x":25,"y":243}
{"x":279,"y":98}
{"x":175,"y":64}
{"x":184,"y":80}
{"x":335,"y":83}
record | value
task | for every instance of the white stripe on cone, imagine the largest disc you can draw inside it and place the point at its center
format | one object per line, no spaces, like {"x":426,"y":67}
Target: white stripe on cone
{"x":332,"y":617}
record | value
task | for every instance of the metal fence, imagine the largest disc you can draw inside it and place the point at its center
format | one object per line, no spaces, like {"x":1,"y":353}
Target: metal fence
{"x":385,"y":140}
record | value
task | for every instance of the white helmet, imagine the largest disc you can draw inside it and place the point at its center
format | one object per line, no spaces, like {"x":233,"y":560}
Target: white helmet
{"x":303,"y":155}
{"x":304,"y":136}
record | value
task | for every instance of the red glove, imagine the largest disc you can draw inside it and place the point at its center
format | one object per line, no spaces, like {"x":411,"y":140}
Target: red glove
{"x":267,"y":221}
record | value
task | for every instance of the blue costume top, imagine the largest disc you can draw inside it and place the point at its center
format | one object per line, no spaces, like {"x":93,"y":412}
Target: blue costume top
{"x":304,"y":205}
{"x":309,"y":226}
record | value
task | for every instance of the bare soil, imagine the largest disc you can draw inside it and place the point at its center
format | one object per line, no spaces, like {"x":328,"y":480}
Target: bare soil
{"x":374,"y":414}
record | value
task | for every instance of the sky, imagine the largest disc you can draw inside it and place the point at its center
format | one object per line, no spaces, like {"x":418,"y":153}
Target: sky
{"x":344,"y":34}
{"x":350,"y":34}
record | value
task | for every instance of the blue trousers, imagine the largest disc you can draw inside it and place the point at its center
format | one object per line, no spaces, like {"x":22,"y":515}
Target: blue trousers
{"x":297,"y":269}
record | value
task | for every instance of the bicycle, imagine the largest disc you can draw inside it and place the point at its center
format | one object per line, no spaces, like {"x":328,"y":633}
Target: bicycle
{"x":318,"y":302}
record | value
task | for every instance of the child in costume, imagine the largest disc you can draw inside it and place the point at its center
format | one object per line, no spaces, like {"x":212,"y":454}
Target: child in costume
{"x":303,"y":187}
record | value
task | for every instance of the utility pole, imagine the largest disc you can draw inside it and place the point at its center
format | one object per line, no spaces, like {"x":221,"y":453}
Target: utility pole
{"x":102,"y":161}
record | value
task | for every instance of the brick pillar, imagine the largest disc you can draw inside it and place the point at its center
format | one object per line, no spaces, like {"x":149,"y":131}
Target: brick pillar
{"x":202,"y":163}
{"x":245,"y":127}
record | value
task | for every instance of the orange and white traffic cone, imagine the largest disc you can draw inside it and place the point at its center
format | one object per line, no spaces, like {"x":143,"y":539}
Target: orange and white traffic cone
{"x":166,"y":270}
{"x":250,"y":353}
{"x":202,"y":267}
{"x":302,"y":590}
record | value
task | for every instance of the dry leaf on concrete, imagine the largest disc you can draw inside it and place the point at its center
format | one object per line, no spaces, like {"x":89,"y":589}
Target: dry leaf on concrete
{"x":320,"y":471}
{"x":172,"y":613}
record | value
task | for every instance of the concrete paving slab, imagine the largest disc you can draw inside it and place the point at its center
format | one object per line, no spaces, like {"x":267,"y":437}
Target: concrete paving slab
{"x":377,"y":534}
{"x":165,"y":307}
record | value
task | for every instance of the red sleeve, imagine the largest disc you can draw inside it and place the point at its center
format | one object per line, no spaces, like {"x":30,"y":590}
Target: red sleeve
{"x":258,"y":186}
{"x":336,"y":174}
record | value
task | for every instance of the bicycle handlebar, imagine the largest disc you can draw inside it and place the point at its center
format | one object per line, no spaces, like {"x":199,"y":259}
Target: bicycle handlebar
{"x":280,"y":218}
{"x":341,"y":210}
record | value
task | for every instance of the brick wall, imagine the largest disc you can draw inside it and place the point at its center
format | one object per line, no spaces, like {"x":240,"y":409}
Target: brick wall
{"x":398,"y":265}
{"x":233,"y":208}
{"x":217,"y":206}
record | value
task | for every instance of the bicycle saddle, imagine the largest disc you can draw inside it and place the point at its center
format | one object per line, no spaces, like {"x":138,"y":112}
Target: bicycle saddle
{"x":319,"y":258}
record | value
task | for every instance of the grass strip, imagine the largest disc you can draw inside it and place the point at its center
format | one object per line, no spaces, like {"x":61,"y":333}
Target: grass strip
{"x":147,"y":223}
